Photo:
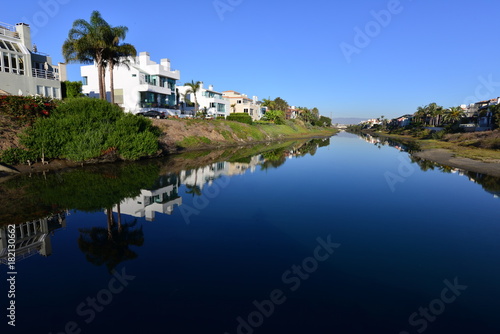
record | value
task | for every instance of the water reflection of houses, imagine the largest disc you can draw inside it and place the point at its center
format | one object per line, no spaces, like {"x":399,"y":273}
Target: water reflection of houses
{"x":206,"y":175}
{"x":32,"y":237}
{"x":161,"y":198}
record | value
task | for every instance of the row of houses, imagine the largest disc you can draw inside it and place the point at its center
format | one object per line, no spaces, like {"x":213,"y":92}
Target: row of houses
{"x":476,"y":117}
{"x":141,"y":86}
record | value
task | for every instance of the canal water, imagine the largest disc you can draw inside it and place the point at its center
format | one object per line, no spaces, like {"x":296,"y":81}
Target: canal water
{"x":340,"y":235}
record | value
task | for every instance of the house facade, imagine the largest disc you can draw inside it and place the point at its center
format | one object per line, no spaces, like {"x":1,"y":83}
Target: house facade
{"x":140,"y":86}
{"x":208,"y":99}
{"x":241,"y":103}
{"x":24,"y":70}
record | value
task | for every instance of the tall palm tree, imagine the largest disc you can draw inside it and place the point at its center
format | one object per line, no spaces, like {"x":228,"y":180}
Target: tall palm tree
{"x":118,"y":54}
{"x":194,"y":87}
{"x":87,"y":42}
{"x":233,"y":106}
{"x":268,"y":103}
{"x":454,"y":114}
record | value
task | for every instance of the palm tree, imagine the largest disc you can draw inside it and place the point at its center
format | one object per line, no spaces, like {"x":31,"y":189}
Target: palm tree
{"x":454,"y":114}
{"x":194,"y":87}
{"x":118,"y":54}
{"x":87,"y":42}
{"x":233,"y":106}
{"x":268,"y":103}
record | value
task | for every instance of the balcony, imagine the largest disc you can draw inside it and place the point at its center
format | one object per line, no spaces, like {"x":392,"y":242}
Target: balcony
{"x":44,"y":74}
{"x":8,"y":30}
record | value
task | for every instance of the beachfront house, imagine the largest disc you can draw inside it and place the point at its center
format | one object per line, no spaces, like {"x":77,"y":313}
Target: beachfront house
{"x":141,"y":86}
{"x":209,"y":100}
{"x":479,"y":116}
{"x":241,"y":103}
{"x":23,"y":69}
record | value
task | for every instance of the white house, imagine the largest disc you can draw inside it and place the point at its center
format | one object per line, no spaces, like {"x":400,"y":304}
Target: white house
{"x":241,"y":103}
{"x":208,"y":99}
{"x":24,"y":70}
{"x":141,"y":86}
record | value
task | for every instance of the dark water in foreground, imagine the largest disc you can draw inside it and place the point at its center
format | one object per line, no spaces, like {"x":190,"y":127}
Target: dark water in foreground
{"x":324,"y":237}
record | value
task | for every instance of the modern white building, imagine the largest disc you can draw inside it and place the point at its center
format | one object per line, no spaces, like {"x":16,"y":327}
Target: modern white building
{"x":24,"y":70}
{"x":208,"y":99}
{"x":141,"y":86}
{"x":241,"y":103}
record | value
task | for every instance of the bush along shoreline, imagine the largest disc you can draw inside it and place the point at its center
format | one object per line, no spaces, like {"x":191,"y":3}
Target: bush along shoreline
{"x":85,"y":130}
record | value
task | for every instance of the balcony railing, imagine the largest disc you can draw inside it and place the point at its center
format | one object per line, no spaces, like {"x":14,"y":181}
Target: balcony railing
{"x":45,"y":74}
{"x":8,"y":30}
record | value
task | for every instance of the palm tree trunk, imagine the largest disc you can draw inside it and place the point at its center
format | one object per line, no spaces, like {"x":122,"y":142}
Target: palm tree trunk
{"x":111,"y":82}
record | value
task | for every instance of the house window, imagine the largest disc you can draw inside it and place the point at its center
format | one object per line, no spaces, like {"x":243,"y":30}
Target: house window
{"x":239,"y":101}
{"x":85,"y":81}
{"x":13,"y":63}
{"x":55,"y":92}
{"x":245,"y":111}
{"x":212,"y":104}
{"x":6,"y":62}
{"x":47,"y":91}
{"x":39,"y":90}
{"x":251,"y":111}
{"x":21,"y":65}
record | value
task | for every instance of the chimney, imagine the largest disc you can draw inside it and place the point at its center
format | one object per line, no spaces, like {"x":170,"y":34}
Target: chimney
{"x":24,"y":31}
{"x":165,"y":63}
{"x":201,"y":85}
{"x":211,"y":87}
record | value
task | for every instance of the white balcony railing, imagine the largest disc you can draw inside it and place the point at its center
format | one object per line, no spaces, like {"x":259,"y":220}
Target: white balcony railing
{"x":8,"y":30}
{"x":45,"y":74}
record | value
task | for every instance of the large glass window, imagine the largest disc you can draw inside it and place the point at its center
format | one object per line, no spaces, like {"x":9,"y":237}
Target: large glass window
{"x":21,"y":65}
{"x":9,"y":46}
{"x":6,"y":62}
{"x":16,"y":47}
{"x":2,"y":45}
{"x":39,"y":90}
{"x":85,"y":81}
{"x":13,"y":63}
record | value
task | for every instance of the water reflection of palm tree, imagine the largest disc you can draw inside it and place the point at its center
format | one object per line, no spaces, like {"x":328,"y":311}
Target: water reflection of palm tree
{"x":110,"y":246}
{"x":194,"y":190}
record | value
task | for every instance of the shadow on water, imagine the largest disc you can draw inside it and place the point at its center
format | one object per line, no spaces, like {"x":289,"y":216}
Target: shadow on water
{"x":38,"y":203}
{"x":490,"y":184}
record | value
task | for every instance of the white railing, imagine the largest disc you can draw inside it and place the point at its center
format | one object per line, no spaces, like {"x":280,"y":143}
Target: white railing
{"x":44,"y":74}
{"x":8,"y":30}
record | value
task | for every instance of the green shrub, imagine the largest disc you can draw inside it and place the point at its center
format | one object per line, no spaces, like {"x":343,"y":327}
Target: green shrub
{"x":240,"y":117}
{"x":81,"y":129}
{"x":26,"y":109}
{"x":14,"y":156}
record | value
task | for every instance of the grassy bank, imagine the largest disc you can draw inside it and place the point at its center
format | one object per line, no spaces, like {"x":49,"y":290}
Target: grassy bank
{"x":87,"y":130}
{"x":194,"y":134}
{"x":466,"y":145}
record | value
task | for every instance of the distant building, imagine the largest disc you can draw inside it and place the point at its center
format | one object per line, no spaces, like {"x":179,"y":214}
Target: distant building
{"x":24,"y":70}
{"x":141,"y":86}
{"x":243,"y":104}
{"x":208,"y":99}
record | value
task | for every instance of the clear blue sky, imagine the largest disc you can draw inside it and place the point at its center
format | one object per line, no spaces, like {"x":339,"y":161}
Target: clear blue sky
{"x":427,"y":51}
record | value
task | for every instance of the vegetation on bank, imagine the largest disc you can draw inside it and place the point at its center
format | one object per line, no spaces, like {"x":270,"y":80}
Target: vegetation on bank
{"x":83,"y":129}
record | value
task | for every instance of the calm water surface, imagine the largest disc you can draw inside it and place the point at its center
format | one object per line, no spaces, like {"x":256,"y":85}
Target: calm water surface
{"x":340,"y":236}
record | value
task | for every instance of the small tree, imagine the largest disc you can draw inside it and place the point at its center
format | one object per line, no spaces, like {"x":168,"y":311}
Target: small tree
{"x":71,"y":89}
{"x":276,"y":116}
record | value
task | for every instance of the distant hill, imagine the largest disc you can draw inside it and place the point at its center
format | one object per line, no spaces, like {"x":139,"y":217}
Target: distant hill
{"x":348,"y":120}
